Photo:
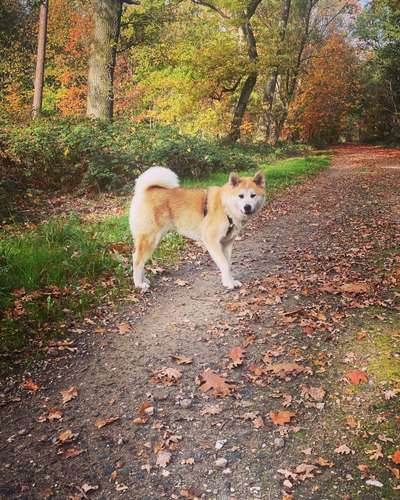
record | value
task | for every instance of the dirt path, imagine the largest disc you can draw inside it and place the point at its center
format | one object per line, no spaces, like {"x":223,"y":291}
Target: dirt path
{"x":309,"y":268}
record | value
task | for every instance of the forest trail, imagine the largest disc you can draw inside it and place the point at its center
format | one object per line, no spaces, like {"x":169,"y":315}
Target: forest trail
{"x":319,"y":265}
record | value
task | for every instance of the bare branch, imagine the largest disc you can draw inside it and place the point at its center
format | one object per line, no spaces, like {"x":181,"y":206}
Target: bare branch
{"x":212,"y":7}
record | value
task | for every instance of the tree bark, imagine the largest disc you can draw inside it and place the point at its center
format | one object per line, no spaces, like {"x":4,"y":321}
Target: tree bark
{"x":270,"y":87}
{"x":40,"y":60}
{"x":251,"y":80}
{"x":103,"y":52}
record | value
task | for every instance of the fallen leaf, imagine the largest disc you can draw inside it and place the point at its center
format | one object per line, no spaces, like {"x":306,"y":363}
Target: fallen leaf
{"x":102,"y":422}
{"x":285,"y":368}
{"x":66,"y":436}
{"x":211,"y":410}
{"x":236,"y":356}
{"x":54,"y":414}
{"x":124,"y":328}
{"x":351,"y":421}
{"x":396,"y":457}
{"x":343,"y":449}
{"x":304,"y":471}
{"x":323,"y":462}
{"x":71,"y":452}
{"x":281,"y":417}
{"x":163,"y":458}
{"x":355,"y":287}
{"x":180,"y":282}
{"x":375,"y":453}
{"x":182,"y":360}
{"x":219,"y":385}
{"x":87,"y":487}
{"x":356,"y":377}
{"x":168,"y":376}
{"x":30,"y":385}
{"x":68,"y":394}
{"x":316,"y":393}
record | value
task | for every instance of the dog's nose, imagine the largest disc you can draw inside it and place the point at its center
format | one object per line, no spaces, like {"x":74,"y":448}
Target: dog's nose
{"x":247,"y":209}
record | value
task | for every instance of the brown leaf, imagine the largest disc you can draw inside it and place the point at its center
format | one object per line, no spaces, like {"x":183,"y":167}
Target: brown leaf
{"x":316,"y":393}
{"x":219,"y":385}
{"x":30,"y":385}
{"x":281,"y":417}
{"x":323,"y":462}
{"x":356,"y":377}
{"x":68,"y":394}
{"x":54,"y":414}
{"x":304,"y":471}
{"x":168,"y":376}
{"x":182,"y":360}
{"x":87,"y":487}
{"x":343,"y":449}
{"x":124,"y":328}
{"x":71,"y":452}
{"x":375,"y":453}
{"x":396,"y":457}
{"x":236,"y":356}
{"x":285,"y":368}
{"x":66,"y":436}
{"x":163,"y":458}
{"x":211,"y":410}
{"x":180,"y":282}
{"x":355,"y":287}
{"x":102,"y":422}
{"x":351,"y":421}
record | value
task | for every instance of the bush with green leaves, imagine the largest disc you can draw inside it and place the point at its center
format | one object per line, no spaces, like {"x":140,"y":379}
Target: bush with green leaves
{"x":54,"y":153}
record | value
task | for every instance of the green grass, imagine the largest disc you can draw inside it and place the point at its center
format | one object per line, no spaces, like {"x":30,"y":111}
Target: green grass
{"x":279,"y":175}
{"x":53,"y":274}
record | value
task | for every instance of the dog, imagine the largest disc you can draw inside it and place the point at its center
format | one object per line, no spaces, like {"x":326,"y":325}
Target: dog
{"x":213,"y":216}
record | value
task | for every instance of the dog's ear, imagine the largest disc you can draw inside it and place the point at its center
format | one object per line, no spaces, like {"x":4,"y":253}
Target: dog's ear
{"x":259,"y":179}
{"x":234,"y":179}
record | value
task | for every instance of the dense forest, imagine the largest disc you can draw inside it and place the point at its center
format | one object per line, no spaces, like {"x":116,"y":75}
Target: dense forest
{"x":269,"y":70}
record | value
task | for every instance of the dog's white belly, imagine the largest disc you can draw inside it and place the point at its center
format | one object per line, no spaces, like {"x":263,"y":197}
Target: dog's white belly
{"x":193,"y":234}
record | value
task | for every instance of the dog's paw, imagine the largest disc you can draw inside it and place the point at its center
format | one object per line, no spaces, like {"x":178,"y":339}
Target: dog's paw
{"x":232,"y":284}
{"x":144,"y":286}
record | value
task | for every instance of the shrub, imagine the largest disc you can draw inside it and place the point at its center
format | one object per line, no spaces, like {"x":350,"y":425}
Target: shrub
{"x":108,"y":156}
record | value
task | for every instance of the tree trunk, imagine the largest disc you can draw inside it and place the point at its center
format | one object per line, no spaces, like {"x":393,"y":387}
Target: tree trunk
{"x":249,"y":84}
{"x":103,"y":52}
{"x":40,"y":59}
{"x":270,"y":88}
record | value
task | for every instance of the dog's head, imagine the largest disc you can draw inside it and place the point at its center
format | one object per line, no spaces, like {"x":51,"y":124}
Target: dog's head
{"x":246,"y":194}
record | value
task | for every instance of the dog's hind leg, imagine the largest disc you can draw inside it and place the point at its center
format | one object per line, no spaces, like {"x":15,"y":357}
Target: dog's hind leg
{"x":144,"y":247}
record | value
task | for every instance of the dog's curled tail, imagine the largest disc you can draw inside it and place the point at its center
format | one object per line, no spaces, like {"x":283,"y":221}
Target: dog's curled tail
{"x":156,"y":176}
{"x":152,"y":177}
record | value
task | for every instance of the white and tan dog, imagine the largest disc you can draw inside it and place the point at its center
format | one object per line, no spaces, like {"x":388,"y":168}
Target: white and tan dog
{"x":213,"y":216}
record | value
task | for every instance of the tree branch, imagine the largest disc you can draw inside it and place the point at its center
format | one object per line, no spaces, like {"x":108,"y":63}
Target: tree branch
{"x":131,"y":2}
{"x":212,"y":7}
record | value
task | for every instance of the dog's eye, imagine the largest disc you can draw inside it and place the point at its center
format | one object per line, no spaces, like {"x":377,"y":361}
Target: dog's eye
{"x":252,"y":195}
{"x":241,"y":195}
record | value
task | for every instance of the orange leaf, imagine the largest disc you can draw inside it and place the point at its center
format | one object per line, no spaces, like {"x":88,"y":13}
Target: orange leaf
{"x":68,"y":394}
{"x":30,"y":385}
{"x":236,"y":355}
{"x":102,"y":422}
{"x":396,"y":457}
{"x":356,"y":377}
{"x":351,"y":421}
{"x":210,"y":380}
{"x":182,"y":360}
{"x":281,"y":417}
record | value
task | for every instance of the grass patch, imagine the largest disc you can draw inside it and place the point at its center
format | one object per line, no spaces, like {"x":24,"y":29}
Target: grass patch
{"x":51,"y":275}
{"x":279,"y":175}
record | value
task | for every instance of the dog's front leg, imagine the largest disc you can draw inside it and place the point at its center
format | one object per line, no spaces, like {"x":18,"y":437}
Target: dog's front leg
{"x":219,"y":257}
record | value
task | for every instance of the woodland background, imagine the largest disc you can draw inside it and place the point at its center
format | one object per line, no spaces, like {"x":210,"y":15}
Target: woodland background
{"x":314,"y":71}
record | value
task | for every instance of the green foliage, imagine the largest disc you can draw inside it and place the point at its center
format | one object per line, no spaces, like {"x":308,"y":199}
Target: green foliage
{"x":108,"y":156}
